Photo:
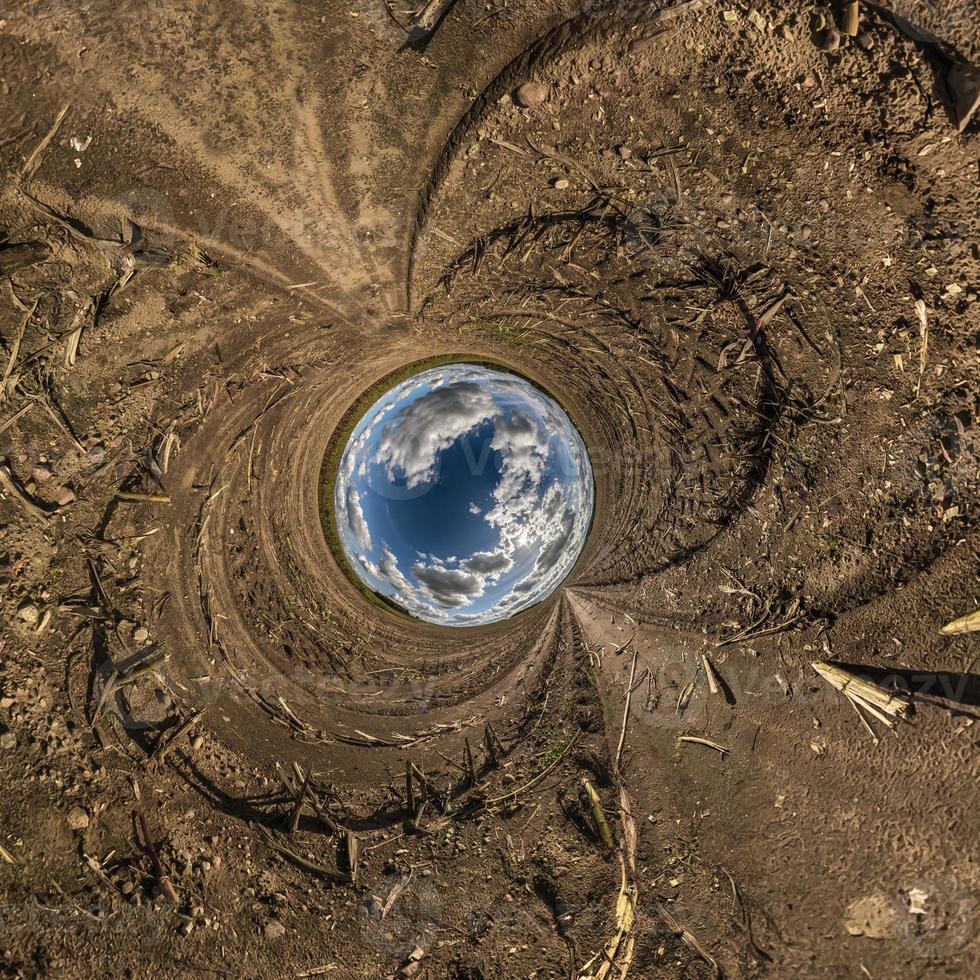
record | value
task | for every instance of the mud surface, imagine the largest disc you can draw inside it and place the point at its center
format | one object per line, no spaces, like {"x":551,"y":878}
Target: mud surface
{"x":746,"y":265}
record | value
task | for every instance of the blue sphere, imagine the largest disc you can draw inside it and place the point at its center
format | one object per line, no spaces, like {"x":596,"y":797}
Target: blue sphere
{"x":464,"y":495}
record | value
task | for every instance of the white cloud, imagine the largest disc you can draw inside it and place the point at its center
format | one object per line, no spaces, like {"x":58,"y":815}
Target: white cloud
{"x":489,"y":563}
{"x":448,"y":587}
{"x":355,"y":519}
{"x":413,"y":438}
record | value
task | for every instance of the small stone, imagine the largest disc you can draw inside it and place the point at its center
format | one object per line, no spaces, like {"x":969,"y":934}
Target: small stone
{"x":141,"y":634}
{"x":371,"y":906}
{"x":8,"y":741}
{"x":624,"y":152}
{"x":41,"y":473}
{"x":29,"y":613}
{"x":197,"y":743}
{"x":827,"y":39}
{"x":66,"y":497}
{"x":560,"y":184}
{"x":274,"y":929}
{"x":531,"y":95}
{"x":77,"y":818}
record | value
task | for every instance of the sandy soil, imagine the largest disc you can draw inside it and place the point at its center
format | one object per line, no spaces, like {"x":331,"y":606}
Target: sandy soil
{"x":744,"y":255}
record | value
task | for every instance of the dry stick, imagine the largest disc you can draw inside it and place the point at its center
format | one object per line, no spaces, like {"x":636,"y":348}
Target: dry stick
{"x":711,"y":674}
{"x":351,"y":841}
{"x":166,"y":886}
{"x":153,"y":657}
{"x":470,"y":771}
{"x":884,"y":705}
{"x":322,"y":814}
{"x":21,"y":330}
{"x":61,"y":420}
{"x":537,"y":779}
{"x":694,"y":740}
{"x":626,"y":712}
{"x":920,"y":309}
{"x":17,"y":415}
{"x":393,"y":895}
{"x":688,"y":939}
{"x":34,"y":160}
{"x":970,"y":623}
{"x":431,"y":793}
{"x":488,"y":744}
{"x":409,"y":790}
{"x":427,"y":20}
{"x":302,"y":862}
{"x":851,"y":18}
{"x":160,"y":752}
{"x":10,"y":486}
{"x":298,"y":805}
{"x":598,"y":814}
{"x":142,"y":498}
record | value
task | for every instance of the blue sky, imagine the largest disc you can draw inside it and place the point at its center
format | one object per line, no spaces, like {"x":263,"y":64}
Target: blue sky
{"x":464,"y":494}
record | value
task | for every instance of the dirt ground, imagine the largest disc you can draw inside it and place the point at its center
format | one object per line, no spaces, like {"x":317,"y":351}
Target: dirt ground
{"x":741,"y":249}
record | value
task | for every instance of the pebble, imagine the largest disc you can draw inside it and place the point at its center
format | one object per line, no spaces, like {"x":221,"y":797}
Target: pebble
{"x":8,"y":741}
{"x":77,"y":818}
{"x":141,"y":634}
{"x":560,"y":184}
{"x":274,"y":929}
{"x":828,"y":39}
{"x":29,"y":613}
{"x":371,"y":906}
{"x":66,"y":497}
{"x":41,"y":473}
{"x":531,"y":95}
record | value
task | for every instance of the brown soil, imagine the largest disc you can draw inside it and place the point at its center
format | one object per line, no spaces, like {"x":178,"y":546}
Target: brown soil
{"x":715,"y":242}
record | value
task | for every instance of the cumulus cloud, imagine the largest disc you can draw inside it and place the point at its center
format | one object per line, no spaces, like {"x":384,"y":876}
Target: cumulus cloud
{"x":413,"y":438}
{"x":448,"y":587}
{"x":557,"y":546}
{"x":487,"y":562}
{"x":356,"y":521}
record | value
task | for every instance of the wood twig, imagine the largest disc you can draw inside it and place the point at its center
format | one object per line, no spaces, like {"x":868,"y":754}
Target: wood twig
{"x":599,"y":815}
{"x":626,"y":713}
{"x":163,"y":881}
